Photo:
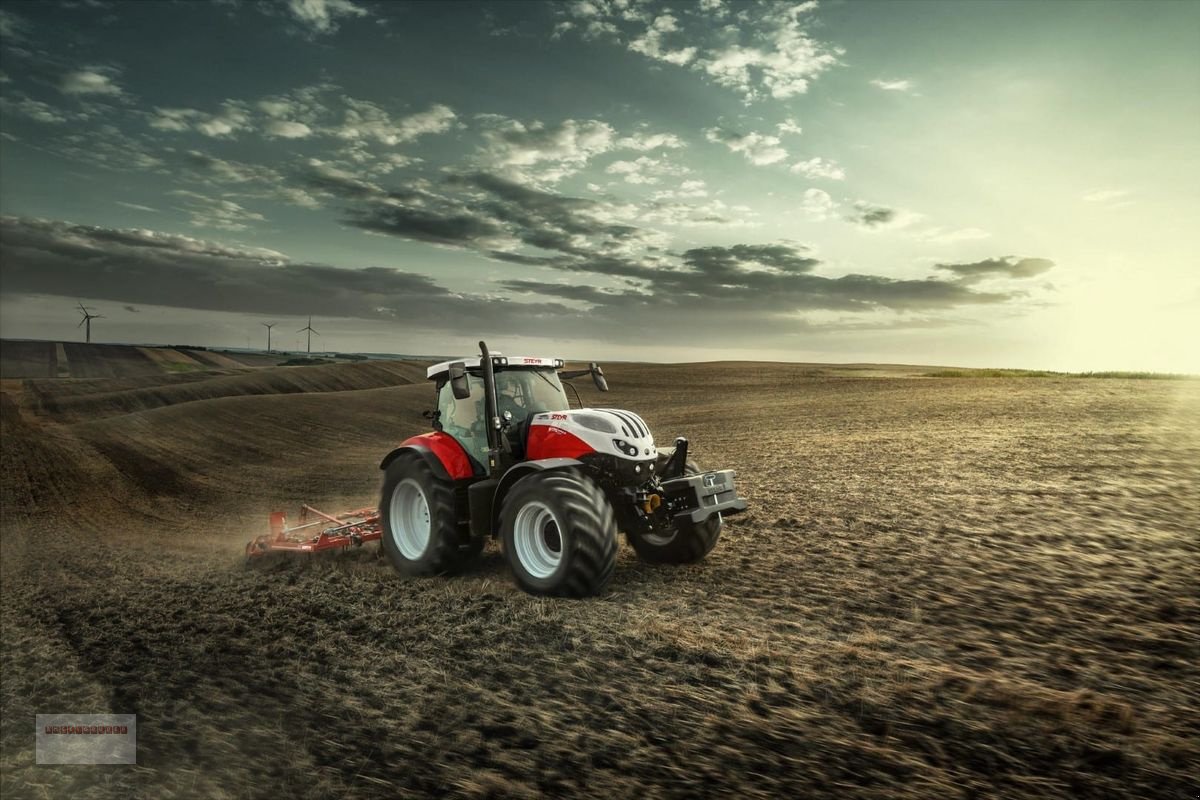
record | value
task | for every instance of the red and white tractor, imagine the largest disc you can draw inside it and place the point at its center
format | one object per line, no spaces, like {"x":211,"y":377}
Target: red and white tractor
{"x":508,"y":457}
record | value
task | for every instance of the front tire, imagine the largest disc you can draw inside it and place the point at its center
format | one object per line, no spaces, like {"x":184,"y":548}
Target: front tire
{"x":420,"y":525}
{"x":684,"y":542}
{"x":559,"y":533}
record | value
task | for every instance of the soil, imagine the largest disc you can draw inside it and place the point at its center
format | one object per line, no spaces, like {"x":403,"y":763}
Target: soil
{"x":943,"y":588}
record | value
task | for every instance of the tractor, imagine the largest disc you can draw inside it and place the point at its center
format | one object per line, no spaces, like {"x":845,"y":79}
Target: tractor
{"x":508,"y":457}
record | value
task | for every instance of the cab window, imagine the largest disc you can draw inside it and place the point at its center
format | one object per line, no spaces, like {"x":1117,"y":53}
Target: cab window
{"x":463,"y":419}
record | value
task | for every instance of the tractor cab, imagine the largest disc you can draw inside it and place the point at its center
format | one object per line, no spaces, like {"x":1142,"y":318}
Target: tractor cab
{"x":524,"y":387}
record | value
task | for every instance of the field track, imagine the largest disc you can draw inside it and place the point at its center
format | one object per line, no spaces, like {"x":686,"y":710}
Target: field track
{"x":944,"y":588}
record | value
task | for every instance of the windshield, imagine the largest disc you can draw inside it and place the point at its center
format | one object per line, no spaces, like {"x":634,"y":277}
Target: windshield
{"x":528,"y":391}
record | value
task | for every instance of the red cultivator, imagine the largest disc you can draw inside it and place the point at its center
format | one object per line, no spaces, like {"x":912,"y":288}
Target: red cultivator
{"x":327,"y":532}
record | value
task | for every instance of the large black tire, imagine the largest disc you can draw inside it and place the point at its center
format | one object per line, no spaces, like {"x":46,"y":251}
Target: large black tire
{"x":687,"y":543}
{"x":420,"y":525}
{"x":559,"y":533}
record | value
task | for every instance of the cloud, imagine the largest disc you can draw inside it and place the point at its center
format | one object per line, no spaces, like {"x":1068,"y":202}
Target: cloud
{"x":306,"y":104}
{"x":818,"y":205}
{"x":645,"y":170}
{"x":12,"y":27}
{"x":761,"y":287}
{"x":437,"y":119}
{"x":420,"y":225}
{"x":649,"y":141}
{"x":893,"y":86}
{"x":789,"y":126}
{"x":650,"y":43}
{"x":107,"y":147}
{"x":236,"y":178}
{"x":233,"y":117}
{"x":35,"y":110}
{"x":137,"y":207}
{"x":817,"y":168}
{"x":366,"y":120}
{"x":686,"y":189}
{"x":286,"y":129}
{"x":325,"y":177}
{"x":216,"y":212}
{"x":871,"y":216}
{"x":725,"y":261}
{"x":759,"y":149}
{"x":780,"y":61}
{"x":91,"y":81}
{"x":1001,"y":267}
{"x":320,"y":16}
{"x":210,"y":169}
{"x":555,"y":151}
{"x":768,"y":53}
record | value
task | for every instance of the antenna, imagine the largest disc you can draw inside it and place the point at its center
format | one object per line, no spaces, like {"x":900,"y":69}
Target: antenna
{"x":87,"y":319}
{"x":311,"y":331}
{"x":268,"y":326}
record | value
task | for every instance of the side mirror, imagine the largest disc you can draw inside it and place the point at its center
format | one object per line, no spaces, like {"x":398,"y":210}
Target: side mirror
{"x":598,"y":377}
{"x":458,"y":381}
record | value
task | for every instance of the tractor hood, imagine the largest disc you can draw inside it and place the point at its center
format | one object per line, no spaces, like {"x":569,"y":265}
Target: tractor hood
{"x":574,"y":433}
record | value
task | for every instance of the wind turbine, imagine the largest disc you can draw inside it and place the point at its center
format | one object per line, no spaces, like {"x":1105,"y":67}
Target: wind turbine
{"x":268,"y":326}
{"x":87,"y":319}
{"x":311,"y":331}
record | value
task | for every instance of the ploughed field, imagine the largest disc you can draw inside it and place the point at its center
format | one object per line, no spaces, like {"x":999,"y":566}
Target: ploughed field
{"x":943,"y":588}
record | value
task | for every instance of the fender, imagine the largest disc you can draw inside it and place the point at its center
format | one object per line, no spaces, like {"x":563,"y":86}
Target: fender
{"x":518,"y":471}
{"x":441,"y":450}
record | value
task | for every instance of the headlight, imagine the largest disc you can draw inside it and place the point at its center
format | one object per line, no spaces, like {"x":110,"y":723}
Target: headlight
{"x":596,"y":422}
{"x":625,"y":447}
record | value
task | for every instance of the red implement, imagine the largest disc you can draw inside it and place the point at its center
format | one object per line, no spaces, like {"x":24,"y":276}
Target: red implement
{"x":328,"y":532}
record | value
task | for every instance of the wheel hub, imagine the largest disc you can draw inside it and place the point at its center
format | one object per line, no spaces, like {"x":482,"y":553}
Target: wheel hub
{"x":537,"y":539}
{"x":411,"y":524}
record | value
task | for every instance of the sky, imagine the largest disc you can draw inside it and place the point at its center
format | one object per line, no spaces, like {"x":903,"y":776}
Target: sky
{"x":980,"y":184}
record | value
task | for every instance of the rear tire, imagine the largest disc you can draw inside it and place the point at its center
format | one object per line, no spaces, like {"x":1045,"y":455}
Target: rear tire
{"x":686,"y":543}
{"x":559,"y":533}
{"x":420,"y":525}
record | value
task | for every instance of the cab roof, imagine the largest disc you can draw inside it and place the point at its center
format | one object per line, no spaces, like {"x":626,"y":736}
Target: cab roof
{"x":499,"y":360}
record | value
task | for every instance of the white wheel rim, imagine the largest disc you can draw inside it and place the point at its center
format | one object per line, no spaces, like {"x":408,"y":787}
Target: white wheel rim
{"x":537,"y":539}
{"x":409,"y":519}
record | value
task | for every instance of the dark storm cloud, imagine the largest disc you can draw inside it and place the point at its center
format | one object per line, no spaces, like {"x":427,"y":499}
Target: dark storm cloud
{"x":871,"y":216}
{"x":60,"y":258}
{"x":737,"y":293}
{"x":544,"y":219}
{"x":725,"y":260}
{"x":477,"y":211}
{"x":720,"y":279}
{"x":583,"y":294}
{"x":424,"y":226}
{"x":1002,"y":267}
